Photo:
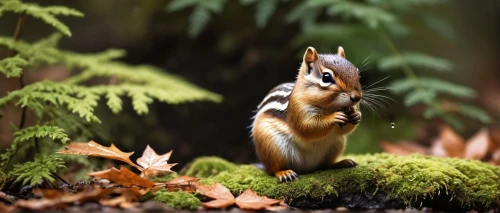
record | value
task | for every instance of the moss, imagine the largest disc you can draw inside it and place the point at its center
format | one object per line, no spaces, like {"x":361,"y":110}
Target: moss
{"x":207,"y":166}
{"x":412,"y":179}
{"x":178,"y":200}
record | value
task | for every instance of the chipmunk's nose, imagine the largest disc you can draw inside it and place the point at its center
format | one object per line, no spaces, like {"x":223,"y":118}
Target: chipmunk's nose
{"x":355,"y":97}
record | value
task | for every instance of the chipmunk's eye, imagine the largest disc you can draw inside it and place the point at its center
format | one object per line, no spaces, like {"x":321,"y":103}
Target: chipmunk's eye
{"x":328,"y":78}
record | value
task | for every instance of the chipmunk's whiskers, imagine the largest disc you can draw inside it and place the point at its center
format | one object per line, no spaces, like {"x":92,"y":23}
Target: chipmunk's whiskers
{"x":372,"y":100}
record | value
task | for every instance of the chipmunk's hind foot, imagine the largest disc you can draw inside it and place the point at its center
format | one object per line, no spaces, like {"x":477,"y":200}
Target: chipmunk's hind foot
{"x":286,"y":175}
{"x":346,"y":163}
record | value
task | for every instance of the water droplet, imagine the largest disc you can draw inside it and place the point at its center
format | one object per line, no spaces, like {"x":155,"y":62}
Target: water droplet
{"x":393,"y":125}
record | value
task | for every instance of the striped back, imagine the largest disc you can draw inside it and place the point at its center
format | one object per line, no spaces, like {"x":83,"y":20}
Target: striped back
{"x":276,"y":101}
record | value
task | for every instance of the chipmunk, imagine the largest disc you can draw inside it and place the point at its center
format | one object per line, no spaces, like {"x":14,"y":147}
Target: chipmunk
{"x":301,"y":127}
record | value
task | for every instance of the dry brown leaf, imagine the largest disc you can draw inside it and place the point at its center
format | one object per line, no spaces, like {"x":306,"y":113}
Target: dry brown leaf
{"x":56,"y":198}
{"x":222,"y":195}
{"x":282,"y":206}
{"x":123,"y":177}
{"x":184,"y":183}
{"x":94,"y":149}
{"x":37,"y":204}
{"x":478,"y":145}
{"x":153,"y":163}
{"x":402,"y":148}
{"x":249,"y":200}
{"x":452,"y":143}
{"x":129,"y":197}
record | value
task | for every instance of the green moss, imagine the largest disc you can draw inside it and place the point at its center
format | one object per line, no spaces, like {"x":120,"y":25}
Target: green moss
{"x":178,"y":200}
{"x":208,"y":166}
{"x":410,"y":178}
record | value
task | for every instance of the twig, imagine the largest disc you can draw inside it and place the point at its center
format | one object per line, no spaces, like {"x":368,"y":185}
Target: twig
{"x":17,"y":34}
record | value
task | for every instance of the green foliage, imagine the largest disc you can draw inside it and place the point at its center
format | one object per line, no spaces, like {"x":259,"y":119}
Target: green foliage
{"x":26,"y":134}
{"x":375,"y":26}
{"x":46,"y":14}
{"x":37,"y":171}
{"x":420,"y":60}
{"x":201,"y":14}
{"x":67,"y":108}
{"x":12,"y":67}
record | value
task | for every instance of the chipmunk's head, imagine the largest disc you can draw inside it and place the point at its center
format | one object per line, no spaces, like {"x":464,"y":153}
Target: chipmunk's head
{"x":329,"y":81}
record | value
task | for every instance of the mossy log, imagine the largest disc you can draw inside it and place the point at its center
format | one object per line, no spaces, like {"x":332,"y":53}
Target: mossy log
{"x":380,"y":181}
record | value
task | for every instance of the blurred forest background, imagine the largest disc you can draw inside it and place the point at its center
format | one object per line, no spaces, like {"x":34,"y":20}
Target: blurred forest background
{"x":241,"y":49}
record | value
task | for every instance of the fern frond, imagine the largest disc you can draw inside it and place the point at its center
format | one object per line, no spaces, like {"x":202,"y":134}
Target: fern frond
{"x":37,"y":131}
{"x":415,"y":59}
{"x":201,"y":14}
{"x":47,"y":14}
{"x":304,"y":14}
{"x":432,"y":84}
{"x":264,"y":9}
{"x":371,"y":15}
{"x":37,"y":171}
{"x":416,"y":96}
{"x":474,"y":113}
{"x":438,"y":25}
{"x":13,"y":66}
{"x":40,"y":131}
{"x":114,"y":101}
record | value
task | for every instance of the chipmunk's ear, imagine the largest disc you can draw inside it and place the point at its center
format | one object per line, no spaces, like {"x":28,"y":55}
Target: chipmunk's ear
{"x":311,"y":55}
{"x":341,"y":52}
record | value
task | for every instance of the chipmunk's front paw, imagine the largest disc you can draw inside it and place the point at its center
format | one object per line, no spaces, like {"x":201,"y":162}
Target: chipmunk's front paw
{"x":341,"y":118}
{"x":346,"y":163}
{"x":286,"y":175}
{"x":354,"y":117}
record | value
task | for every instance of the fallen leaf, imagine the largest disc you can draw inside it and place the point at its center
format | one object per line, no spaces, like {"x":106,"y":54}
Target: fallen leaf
{"x":123,"y":177}
{"x":129,"y":197}
{"x":249,"y":200}
{"x":478,"y":145}
{"x":437,"y":149}
{"x":452,"y":143}
{"x":154,"y":164}
{"x":184,"y":183}
{"x":222,"y":195}
{"x":282,"y":206}
{"x":402,"y":148}
{"x":94,"y":149}
{"x":59,"y":198}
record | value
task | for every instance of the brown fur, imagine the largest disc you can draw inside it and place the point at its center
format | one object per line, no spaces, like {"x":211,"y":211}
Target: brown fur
{"x":311,"y":115}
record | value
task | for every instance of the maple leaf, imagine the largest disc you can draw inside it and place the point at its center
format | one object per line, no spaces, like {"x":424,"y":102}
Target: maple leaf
{"x":94,"y":149}
{"x":154,"y":164}
{"x":222,"y":195}
{"x":124,"y":177}
{"x":249,"y":200}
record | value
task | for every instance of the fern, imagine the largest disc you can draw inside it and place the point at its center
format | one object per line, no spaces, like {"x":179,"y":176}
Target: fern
{"x":13,"y":66}
{"x":201,"y":14}
{"x":37,"y":171}
{"x":47,"y":14}
{"x":264,"y":9}
{"x":37,"y":131}
{"x":415,"y":59}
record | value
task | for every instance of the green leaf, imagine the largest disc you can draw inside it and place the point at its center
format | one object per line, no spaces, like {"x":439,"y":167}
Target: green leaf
{"x":114,"y":101}
{"x":432,"y":84}
{"x":372,"y":16}
{"x":140,"y":100}
{"x":415,"y":59}
{"x":264,"y":11}
{"x":198,"y":21}
{"x":439,"y":26}
{"x":417,"y":96}
{"x":13,"y":66}
{"x":47,"y":14}
{"x":40,"y":131}
{"x":474,"y":113}
{"x":37,"y":171}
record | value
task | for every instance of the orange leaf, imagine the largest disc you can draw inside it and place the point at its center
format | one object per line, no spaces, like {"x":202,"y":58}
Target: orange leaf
{"x":123,"y":177}
{"x":478,"y":145}
{"x":153,"y":163}
{"x":249,"y":200}
{"x":94,"y":149}
{"x":184,"y":183}
{"x":129,"y":197}
{"x":402,"y":148}
{"x":451,"y":142}
{"x":222,"y":195}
